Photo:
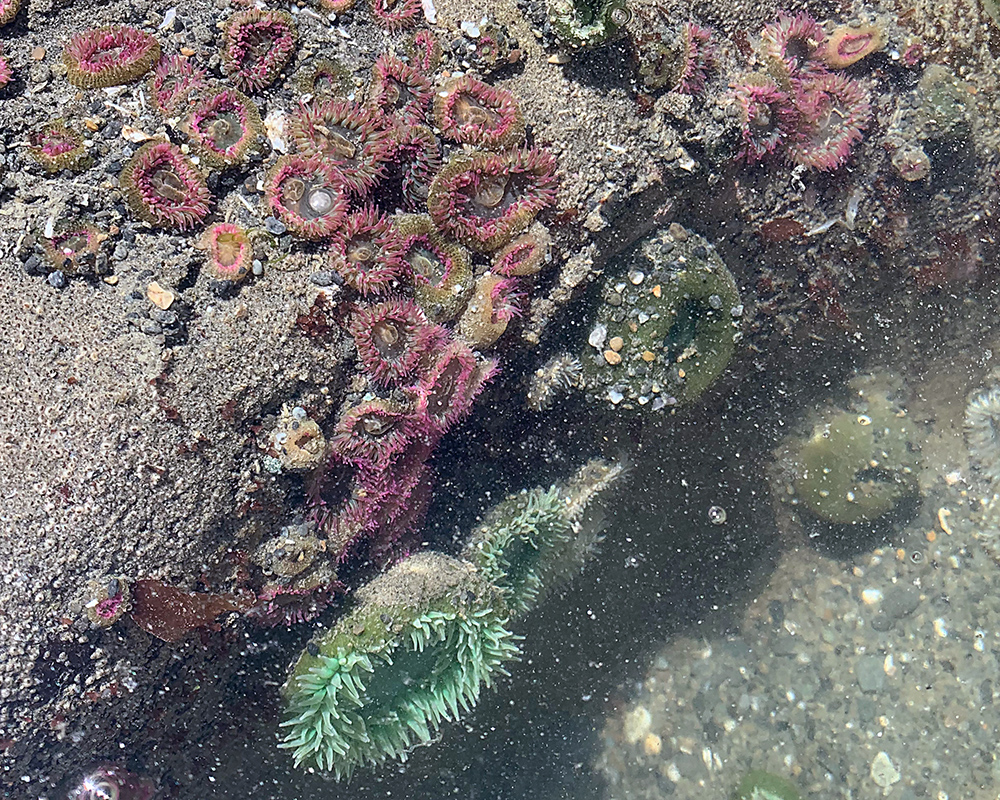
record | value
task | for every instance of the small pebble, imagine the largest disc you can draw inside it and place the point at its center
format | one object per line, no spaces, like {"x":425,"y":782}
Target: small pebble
{"x":323,"y":278}
{"x":57,"y":279}
{"x":275,"y":226}
{"x":612,"y":357}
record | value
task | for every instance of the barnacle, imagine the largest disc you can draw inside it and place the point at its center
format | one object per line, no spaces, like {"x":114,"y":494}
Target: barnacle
{"x":483,"y":200}
{"x":174,"y":82}
{"x":442,"y":270}
{"x":426,"y":637}
{"x":472,"y":112}
{"x":399,"y":90}
{"x":258,"y":45}
{"x":109,"y":56}
{"x":307,"y":194}
{"x":392,"y":338}
{"x":56,"y":147}
{"x":347,"y":136}
{"x":223,"y":127}
{"x":367,"y":252}
{"x":164,"y":188}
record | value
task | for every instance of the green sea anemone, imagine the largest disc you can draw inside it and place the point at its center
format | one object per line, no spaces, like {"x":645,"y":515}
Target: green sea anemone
{"x":416,"y":651}
{"x":537,"y":540}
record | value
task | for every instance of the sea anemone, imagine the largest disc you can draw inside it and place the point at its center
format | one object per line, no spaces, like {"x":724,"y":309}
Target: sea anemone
{"x":73,"y":247}
{"x":298,"y":440}
{"x":472,"y":112}
{"x":485,"y":199}
{"x":495,"y":301}
{"x":835,"y":111}
{"x":699,"y":58}
{"x":108,"y":600}
{"x":447,"y":388}
{"x":229,"y":254}
{"x":391,"y":338}
{"x":425,"y":638}
{"x":424,"y":51}
{"x":372,"y":432}
{"x":367,"y":252}
{"x":291,"y":552}
{"x":399,"y":90}
{"x":770,"y":118}
{"x":280,"y":605}
{"x":537,"y":540}
{"x":324,"y":78}
{"x":223,"y":127}
{"x":164,"y":188}
{"x":307,"y":194}
{"x":525,"y":255}
{"x":109,"y":56}
{"x":495,"y":48}
{"x":791,"y":45}
{"x":56,"y":147}
{"x":848,"y":45}
{"x":258,"y":45}
{"x":347,"y":136}
{"x":982,"y":431}
{"x":558,"y":375}
{"x":397,"y":14}
{"x":8,"y":10}
{"x":416,"y":160}
{"x":5,"y":71}
{"x":587,"y":23}
{"x":442,"y":270}
{"x":337,"y":6}
{"x":174,"y":83}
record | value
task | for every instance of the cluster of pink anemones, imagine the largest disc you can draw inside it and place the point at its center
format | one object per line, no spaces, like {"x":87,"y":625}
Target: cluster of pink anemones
{"x":799,"y":108}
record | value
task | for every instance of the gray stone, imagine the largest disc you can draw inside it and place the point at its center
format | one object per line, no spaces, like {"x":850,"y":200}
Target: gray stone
{"x":870,"y":674}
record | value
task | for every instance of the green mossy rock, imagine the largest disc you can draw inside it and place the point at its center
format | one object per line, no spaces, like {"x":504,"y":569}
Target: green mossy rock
{"x":760,"y":785}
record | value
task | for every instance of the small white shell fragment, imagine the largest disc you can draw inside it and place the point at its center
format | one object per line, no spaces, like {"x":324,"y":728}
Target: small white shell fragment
{"x":134,"y":135}
{"x":597,"y":336}
{"x":871,"y":596}
{"x":429,"y":10}
{"x":940,"y":628}
{"x":889,"y":666}
{"x":168,"y":19}
{"x":274,"y":128}
{"x":615,"y":396}
{"x":636,"y":277}
{"x":470,"y":29}
{"x":883,"y":772}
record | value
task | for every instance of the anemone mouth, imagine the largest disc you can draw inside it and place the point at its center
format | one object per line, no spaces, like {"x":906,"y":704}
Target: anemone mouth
{"x":307,"y":194}
{"x":370,"y":434}
{"x":429,"y":261}
{"x":392,"y":338}
{"x":835,"y":111}
{"x":224,"y":127}
{"x":229,"y":252}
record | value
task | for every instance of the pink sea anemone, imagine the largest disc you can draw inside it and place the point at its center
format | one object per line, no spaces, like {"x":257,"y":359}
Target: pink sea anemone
{"x":164,"y":188}
{"x":347,"y":136}
{"x":392,"y":338}
{"x":397,"y":14}
{"x":367,"y":253}
{"x":834,"y":112}
{"x":447,"y":389}
{"x":307,"y":194}
{"x":416,"y":160}
{"x":174,"y":82}
{"x":229,"y":252}
{"x":848,"y":45}
{"x":223,"y":127}
{"x":495,"y":301}
{"x":56,"y":147}
{"x":770,"y":119}
{"x":280,"y":605}
{"x":258,"y":46}
{"x":109,"y":56}
{"x":370,"y":434}
{"x":525,"y":255}
{"x":6,"y":73}
{"x":699,"y":58}
{"x":8,"y":10}
{"x":442,"y":269}
{"x":792,"y":44}
{"x":400,"y":91}
{"x":472,"y":112}
{"x":425,"y":51}
{"x":483,"y":200}
{"x":73,"y":247}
